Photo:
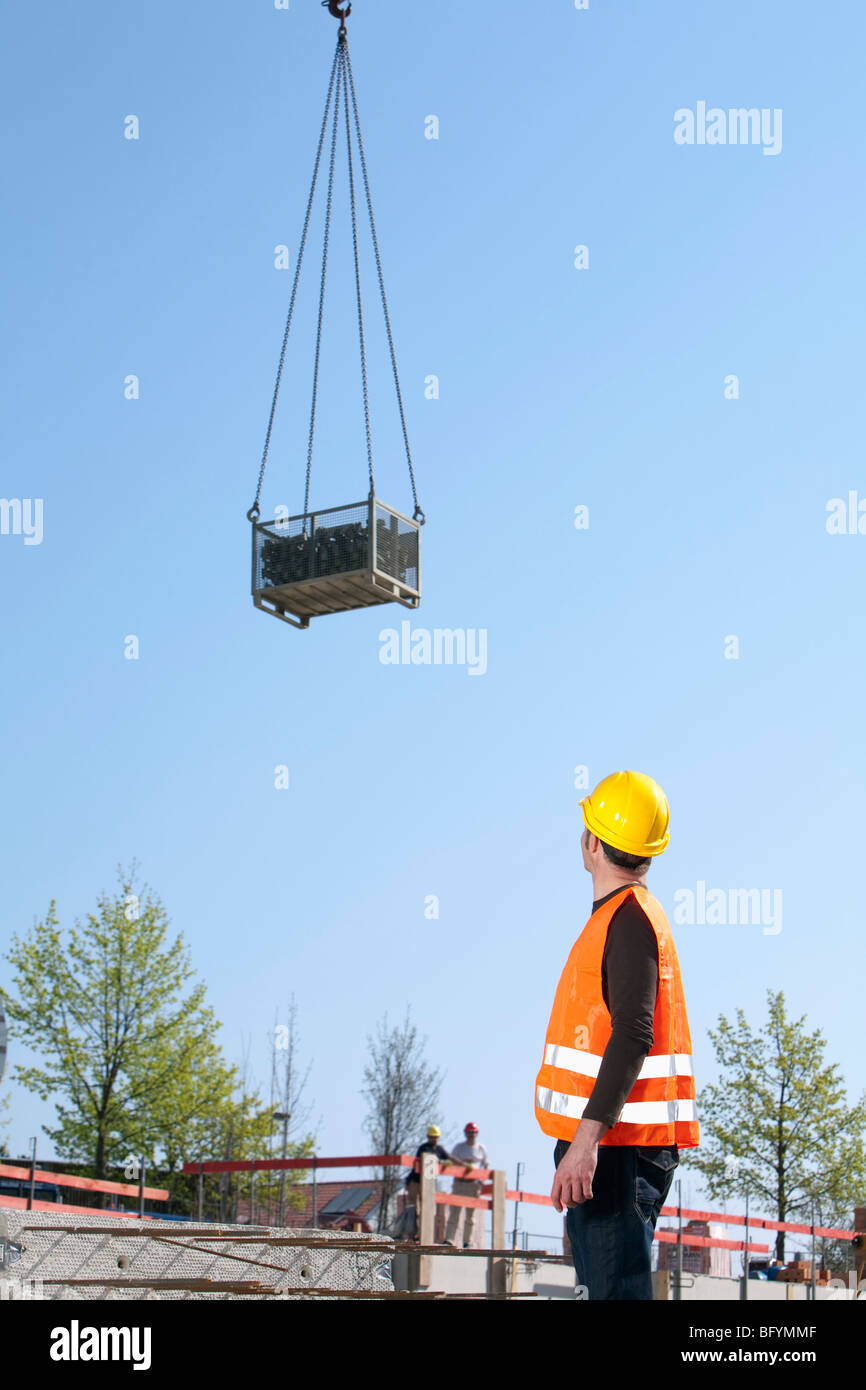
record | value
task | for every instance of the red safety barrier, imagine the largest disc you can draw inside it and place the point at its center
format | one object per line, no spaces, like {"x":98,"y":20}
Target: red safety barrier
{"x":450,"y":1199}
{"x":260,"y":1165}
{"x":120,"y":1189}
{"x":669,"y":1237}
{"x":536,"y":1197}
{"x":62,"y":1208}
{"x":723,"y":1219}
{"x":314,"y":1162}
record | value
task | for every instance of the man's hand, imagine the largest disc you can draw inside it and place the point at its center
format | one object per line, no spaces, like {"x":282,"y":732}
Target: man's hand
{"x":573,"y":1182}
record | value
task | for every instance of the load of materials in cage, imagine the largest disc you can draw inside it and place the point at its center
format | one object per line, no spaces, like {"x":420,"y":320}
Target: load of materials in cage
{"x":364,"y":553}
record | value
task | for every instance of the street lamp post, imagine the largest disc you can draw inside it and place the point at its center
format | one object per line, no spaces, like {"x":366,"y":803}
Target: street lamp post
{"x":285,"y":1116}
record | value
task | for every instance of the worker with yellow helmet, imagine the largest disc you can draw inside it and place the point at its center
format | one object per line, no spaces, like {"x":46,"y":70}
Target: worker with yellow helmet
{"x":431,"y":1146}
{"x":616,"y":1086}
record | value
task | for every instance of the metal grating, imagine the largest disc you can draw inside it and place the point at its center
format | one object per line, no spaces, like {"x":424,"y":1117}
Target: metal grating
{"x":316,"y":546}
{"x":396,"y":546}
{"x":336,"y":560}
{"x":151,"y":1253}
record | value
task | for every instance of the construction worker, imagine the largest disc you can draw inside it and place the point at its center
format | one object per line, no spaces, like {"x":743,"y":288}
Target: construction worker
{"x":413,"y":1181}
{"x":472,"y":1155}
{"x":616,"y":1087}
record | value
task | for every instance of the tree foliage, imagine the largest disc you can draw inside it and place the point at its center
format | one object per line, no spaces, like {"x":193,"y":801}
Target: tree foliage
{"x":127,"y":1045}
{"x":241,"y":1127}
{"x":778,"y":1125}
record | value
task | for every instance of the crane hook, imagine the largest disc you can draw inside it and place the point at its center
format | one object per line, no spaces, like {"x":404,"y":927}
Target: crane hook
{"x":333,"y":8}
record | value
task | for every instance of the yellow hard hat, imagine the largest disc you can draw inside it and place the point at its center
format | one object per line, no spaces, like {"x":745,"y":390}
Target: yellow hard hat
{"x":629,"y":811}
{"x":434,"y":1132}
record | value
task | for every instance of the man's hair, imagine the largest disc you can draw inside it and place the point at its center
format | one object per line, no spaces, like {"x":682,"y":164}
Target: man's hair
{"x":632,"y":862}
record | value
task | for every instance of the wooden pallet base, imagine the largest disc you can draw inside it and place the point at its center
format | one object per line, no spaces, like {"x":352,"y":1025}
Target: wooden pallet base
{"x":313,"y":598}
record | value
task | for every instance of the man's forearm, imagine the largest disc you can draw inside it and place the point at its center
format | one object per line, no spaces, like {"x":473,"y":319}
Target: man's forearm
{"x":589,"y":1132}
{"x":620,"y":1067}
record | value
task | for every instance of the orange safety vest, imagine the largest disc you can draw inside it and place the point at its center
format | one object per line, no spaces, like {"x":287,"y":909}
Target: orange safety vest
{"x":660,"y":1108}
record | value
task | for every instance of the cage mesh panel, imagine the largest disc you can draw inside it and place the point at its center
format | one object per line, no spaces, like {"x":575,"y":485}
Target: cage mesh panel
{"x":396,"y":547}
{"x":319,"y":545}
{"x":66,"y":1255}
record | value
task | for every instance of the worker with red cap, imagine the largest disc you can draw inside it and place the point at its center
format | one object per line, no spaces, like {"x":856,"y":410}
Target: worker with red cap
{"x":472,"y":1155}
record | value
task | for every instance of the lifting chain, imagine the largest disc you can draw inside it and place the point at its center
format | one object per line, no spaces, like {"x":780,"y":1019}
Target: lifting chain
{"x":341,"y":73}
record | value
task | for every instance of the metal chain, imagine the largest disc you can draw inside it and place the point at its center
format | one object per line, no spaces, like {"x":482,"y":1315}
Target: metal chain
{"x":254,"y":511}
{"x":341,"y":73}
{"x":418,"y":513}
{"x":358,"y":284}
{"x":326,"y":242}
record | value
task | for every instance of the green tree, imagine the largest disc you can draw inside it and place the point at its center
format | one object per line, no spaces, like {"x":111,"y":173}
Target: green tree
{"x":127,"y":1045}
{"x":242,"y":1127}
{"x":782,"y":1113}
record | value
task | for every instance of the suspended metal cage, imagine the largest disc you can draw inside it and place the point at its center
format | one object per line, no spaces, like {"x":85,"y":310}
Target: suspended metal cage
{"x":365,"y":553}
{"x":336,"y":560}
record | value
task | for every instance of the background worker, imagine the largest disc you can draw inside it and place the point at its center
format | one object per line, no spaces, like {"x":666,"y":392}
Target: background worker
{"x":431,"y":1146}
{"x":472,"y":1155}
{"x":616,"y":1087}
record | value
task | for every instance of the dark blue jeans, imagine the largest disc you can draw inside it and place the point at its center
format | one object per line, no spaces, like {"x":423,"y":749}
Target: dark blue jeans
{"x":611,"y":1235}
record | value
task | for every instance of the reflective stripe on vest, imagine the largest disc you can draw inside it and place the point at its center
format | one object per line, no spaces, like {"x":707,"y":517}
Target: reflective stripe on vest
{"x":660,"y":1108}
{"x":634,"y":1112}
{"x":588,"y":1063}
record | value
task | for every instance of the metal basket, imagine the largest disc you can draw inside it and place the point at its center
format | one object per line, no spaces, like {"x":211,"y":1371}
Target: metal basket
{"x":335,"y":561}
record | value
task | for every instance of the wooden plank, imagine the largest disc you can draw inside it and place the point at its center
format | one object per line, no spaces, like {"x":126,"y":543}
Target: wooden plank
{"x":317,"y":597}
{"x":327,"y":593}
{"x":427,"y":1213}
{"x":294,"y":598}
{"x":314,"y":583}
{"x":498,"y":1268}
{"x":355,"y":590}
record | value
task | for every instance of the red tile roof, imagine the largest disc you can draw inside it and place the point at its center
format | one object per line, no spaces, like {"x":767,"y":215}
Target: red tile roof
{"x":301,"y":1215}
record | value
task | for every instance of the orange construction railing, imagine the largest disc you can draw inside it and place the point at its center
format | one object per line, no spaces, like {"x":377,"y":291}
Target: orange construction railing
{"x":43,"y":1175}
{"x":314,"y":1162}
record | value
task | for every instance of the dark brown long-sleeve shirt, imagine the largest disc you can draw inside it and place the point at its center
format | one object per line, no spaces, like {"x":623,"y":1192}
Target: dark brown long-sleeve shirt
{"x":629,"y":985}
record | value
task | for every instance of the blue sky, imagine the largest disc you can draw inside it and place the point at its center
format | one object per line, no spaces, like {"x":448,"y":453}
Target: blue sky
{"x":559,"y":387}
